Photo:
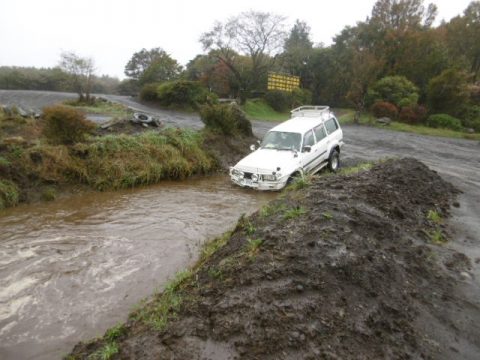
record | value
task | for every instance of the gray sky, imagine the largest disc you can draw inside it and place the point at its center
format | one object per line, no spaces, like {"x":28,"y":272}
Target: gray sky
{"x":35,"y":32}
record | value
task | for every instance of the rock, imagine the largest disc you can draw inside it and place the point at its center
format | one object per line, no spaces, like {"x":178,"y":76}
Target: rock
{"x":465,"y":275}
{"x":470,"y":131}
{"x":384,"y":121}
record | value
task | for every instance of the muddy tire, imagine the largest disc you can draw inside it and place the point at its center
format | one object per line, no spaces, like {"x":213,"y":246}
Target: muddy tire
{"x":293,"y":177}
{"x":334,"y":161}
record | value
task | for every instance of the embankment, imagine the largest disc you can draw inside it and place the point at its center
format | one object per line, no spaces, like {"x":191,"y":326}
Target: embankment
{"x":350,"y":267}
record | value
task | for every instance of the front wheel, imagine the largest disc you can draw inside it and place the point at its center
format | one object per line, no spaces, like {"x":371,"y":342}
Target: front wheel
{"x":334,"y":161}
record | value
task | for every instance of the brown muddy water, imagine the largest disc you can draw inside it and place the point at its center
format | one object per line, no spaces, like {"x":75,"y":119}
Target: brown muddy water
{"x":75,"y":267}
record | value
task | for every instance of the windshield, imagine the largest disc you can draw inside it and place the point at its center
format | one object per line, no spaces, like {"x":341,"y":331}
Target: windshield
{"x":282,"y":140}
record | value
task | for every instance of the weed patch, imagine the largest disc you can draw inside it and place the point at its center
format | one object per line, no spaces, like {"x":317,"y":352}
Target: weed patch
{"x":294,"y":213}
{"x":434,"y":216}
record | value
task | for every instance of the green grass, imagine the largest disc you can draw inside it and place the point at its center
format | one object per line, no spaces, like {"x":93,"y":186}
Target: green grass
{"x":253,"y":246}
{"x":434,"y":216}
{"x":101,"y":108}
{"x":9,"y":194}
{"x":258,"y":109}
{"x":356,"y":169}
{"x":105,"y":353}
{"x":437,"y":238}
{"x":327,"y":215}
{"x":367,"y":119}
{"x":294,"y":213}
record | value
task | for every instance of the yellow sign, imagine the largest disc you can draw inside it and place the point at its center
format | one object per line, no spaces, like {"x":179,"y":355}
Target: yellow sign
{"x":283,"y":82}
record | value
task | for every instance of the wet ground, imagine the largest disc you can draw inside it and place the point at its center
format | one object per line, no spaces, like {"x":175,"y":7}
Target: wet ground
{"x":72,"y":268}
{"x":458,"y":161}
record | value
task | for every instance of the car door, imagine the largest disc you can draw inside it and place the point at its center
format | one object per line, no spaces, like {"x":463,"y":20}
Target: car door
{"x":333,"y":130}
{"x":308,"y":157}
{"x":321,"y":146}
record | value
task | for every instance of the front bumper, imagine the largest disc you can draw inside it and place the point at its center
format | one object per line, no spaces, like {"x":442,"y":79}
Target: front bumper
{"x":258,"y":184}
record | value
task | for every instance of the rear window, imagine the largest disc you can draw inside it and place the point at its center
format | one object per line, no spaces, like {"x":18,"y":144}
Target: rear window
{"x":331,"y":125}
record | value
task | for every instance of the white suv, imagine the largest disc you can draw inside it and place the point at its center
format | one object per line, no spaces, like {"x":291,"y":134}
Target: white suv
{"x":306,"y":143}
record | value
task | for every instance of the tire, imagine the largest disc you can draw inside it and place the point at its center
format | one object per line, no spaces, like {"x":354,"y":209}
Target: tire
{"x":293,"y":177}
{"x":334,"y":161}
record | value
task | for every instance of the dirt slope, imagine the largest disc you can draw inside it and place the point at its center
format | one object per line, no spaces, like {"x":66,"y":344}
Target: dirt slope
{"x":345,"y":269}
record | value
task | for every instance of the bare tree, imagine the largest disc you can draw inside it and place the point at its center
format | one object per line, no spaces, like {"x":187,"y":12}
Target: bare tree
{"x":81,"y":71}
{"x":257,"y":35}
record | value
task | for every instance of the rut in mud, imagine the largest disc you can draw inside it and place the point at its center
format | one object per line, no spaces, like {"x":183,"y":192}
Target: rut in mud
{"x":343,"y":269}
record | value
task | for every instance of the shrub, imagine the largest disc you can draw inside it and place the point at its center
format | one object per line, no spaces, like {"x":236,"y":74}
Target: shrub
{"x":184,"y":94}
{"x":279,"y":100}
{"x":444,"y":121}
{"x":228,"y":119}
{"x":384,"y":109}
{"x":448,"y":92}
{"x":413,"y":114}
{"x":471,"y":117}
{"x":149,"y":92}
{"x":300,"y":97}
{"x":8,"y":194}
{"x":63,"y":125}
{"x":397,"y":90}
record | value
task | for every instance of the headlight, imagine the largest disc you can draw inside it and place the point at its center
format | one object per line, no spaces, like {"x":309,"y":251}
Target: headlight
{"x":254,"y":177}
{"x":269,"y":177}
{"x":236,"y":172}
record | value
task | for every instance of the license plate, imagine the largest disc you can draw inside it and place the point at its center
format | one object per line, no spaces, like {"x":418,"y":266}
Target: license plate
{"x":247,"y":182}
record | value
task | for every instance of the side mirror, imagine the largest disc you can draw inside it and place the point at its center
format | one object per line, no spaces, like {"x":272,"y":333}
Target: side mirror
{"x":306,"y":149}
{"x":252,"y":147}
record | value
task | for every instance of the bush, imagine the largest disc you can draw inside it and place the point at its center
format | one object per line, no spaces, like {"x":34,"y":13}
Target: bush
{"x":228,"y":119}
{"x":413,"y":114}
{"x":444,"y":121}
{"x":397,"y":90}
{"x":279,"y":100}
{"x":384,"y":109}
{"x":9,"y":195}
{"x":63,"y":125}
{"x":184,"y":94}
{"x":471,"y":117}
{"x":149,"y":92}
{"x":448,"y":92}
{"x":300,"y":97}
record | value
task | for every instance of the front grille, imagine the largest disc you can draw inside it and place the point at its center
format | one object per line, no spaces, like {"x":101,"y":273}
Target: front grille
{"x":247,"y":175}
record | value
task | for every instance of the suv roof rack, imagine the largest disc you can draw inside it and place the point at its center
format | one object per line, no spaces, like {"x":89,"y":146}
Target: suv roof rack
{"x":310,"y":110}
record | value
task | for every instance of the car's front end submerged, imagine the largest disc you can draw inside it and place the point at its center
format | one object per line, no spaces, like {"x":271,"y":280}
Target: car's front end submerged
{"x":259,"y":179}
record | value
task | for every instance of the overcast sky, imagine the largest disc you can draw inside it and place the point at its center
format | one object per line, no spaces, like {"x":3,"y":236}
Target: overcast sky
{"x":35,"y":32}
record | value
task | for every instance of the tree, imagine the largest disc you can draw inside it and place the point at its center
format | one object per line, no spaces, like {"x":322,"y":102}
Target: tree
{"x":81,"y":72}
{"x":463,"y":34}
{"x":397,"y":90}
{"x":402,"y":15}
{"x":258,"y":35}
{"x":155,"y":65}
{"x":448,"y":92}
{"x":297,"y":49}
{"x":364,"y":71}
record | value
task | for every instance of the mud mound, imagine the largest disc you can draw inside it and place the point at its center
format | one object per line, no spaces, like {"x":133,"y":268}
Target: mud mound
{"x":342,"y":270}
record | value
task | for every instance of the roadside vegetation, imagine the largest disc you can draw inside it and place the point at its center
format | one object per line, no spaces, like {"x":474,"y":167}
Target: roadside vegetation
{"x":101,"y":107}
{"x":39,"y":158}
{"x":347,"y":117}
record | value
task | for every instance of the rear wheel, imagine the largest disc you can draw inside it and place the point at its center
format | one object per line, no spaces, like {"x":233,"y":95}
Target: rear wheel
{"x":334,"y":161}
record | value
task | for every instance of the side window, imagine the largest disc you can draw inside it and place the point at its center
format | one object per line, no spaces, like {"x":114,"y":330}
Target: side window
{"x":308,"y":139}
{"x":331,"y":125}
{"x":320,"y":132}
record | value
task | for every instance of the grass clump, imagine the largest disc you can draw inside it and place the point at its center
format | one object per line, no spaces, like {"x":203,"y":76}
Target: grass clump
{"x":115,"y":333}
{"x":300,"y":182}
{"x":211,"y":247}
{"x":294,"y":213}
{"x":101,"y":107}
{"x":63,"y":125}
{"x":164,"y":306}
{"x":327,"y":215}
{"x":105,"y":353}
{"x":434,"y":216}
{"x":271,"y":209}
{"x":356,"y":169}
{"x":437,"y":237}
{"x":229,"y":120}
{"x":9,"y":194}
{"x":49,"y":194}
{"x":253,"y":246}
